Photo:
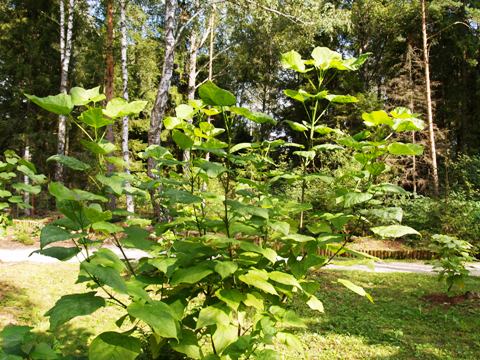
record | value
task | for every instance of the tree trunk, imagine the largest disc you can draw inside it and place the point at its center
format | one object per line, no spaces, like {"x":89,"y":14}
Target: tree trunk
{"x":124,"y":47}
{"x":192,"y":74}
{"x":411,"y":91}
{"x":65,"y":53}
{"x":210,"y":56}
{"x":426,"y":63}
{"x":109,"y":77}
{"x":109,"y":71}
{"x":158,"y":111}
{"x":26,"y":179}
{"x":161,"y":101}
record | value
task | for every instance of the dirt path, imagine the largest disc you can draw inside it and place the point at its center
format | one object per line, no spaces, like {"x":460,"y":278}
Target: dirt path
{"x":27,"y":255}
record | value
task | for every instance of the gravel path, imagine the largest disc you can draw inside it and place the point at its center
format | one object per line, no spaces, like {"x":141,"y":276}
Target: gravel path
{"x":408,"y":267}
{"x":27,"y":255}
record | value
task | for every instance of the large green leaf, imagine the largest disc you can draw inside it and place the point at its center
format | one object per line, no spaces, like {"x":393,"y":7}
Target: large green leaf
{"x":100,"y":147}
{"x":225,"y":268}
{"x":299,"y":238}
{"x":232,"y":297}
{"x":323,"y":57}
{"x":42,"y":351}
{"x":211,"y":94}
{"x":284,"y":278}
{"x":341,"y":99}
{"x":136,"y":238}
{"x":94,"y":118}
{"x":159,"y":316}
{"x":71,"y":306}
{"x":69,"y":162}
{"x":398,"y":148}
{"x":32,"y":189}
{"x":355,"y":288}
{"x":51,"y":234}
{"x":118,"y":107}
{"x":224,"y":335}
{"x":183,"y":141}
{"x":354,"y":198}
{"x":81,"y":96}
{"x":60,"y":253}
{"x":315,"y":304}
{"x":211,"y":168}
{"x":5,"y":193}
{"x":293,"y":60}
{"x":63,"y":193}
{"x":94,"y":213}
{"x":60,"y":104}
{"x":302,"y":96}
{"x":171,"y":122}
{"x":184,"y":111}
{"x":401,"y":125}
{"x":13,"y":336}
{"x":114,"y":182}
{"x":106,"y":275}
{"x":296,"y":126}
{"x":191,"y":275}
{"x":114,"y":346}
{"x":258,"y":279}
{"x":181,"y":196}
{"x":376,"y":118}
{"x":255,"y":116}
{"x":106,"y":227}
{"x":212,"y":315}
{"x":187,"y":345}
{"x":394,"y":231}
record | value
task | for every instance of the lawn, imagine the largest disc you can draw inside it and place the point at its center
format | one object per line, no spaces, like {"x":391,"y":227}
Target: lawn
{"x":399,"y":325}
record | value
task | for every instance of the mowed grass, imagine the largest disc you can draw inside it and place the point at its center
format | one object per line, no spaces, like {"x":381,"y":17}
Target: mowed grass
{"x":398,"y":325}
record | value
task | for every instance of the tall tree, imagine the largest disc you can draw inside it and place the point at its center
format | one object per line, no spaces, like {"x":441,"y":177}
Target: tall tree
{"x":161,"y":101}
{"x":123,"y":55}
{"x":109,"y":82}
{"x":428,"y":94}
{"x":66,"y":30}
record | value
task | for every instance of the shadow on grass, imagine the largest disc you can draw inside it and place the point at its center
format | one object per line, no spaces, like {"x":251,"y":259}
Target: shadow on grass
{"x":16,"y":308}
{"x":399,"y":322}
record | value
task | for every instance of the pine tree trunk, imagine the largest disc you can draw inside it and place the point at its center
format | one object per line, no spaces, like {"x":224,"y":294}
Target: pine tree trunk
{"x":124,"y":47}
{"x":428,"y":89}
{"x":65,"y":53}
{"x":109,"y":77}
{"x":411,"y":106}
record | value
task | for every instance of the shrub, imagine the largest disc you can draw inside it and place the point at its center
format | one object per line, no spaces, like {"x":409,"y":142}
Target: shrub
{"x":225,"y":266}
{"x":457,"y":216}
{"x":452,"y":256}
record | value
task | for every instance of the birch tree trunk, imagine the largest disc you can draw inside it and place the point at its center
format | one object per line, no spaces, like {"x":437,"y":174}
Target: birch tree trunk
{"x":192,"y":73}
{"x":158,"y":111}
{"x":123,"y":55}
{"x":428,"y":91}
{"x":65,"y":54}
{"x":210,"y":55}
{"x":26,"y":180}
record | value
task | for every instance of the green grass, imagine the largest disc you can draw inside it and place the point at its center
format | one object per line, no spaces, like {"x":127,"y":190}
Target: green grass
{"x":27,"y":291}
{"x":399,"y":325}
